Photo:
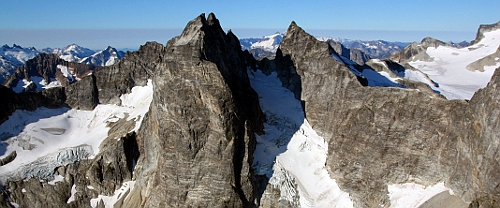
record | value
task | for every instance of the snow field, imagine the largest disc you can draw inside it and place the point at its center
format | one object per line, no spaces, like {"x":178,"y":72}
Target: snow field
{"x":413,"y":195}
{"x":374,"y":78}
{"x":449,"y":67}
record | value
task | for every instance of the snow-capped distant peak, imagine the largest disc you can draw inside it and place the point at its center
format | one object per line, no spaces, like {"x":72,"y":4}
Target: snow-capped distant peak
{"x":269,"y":43}
{"x":12,"y":57}
{"x":106,"y":57}
{"x":76,"y":53}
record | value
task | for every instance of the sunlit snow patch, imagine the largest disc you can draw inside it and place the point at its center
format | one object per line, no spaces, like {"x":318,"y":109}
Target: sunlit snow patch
{"x":39,"y":82}
{"x":413,"y":195}
{"x":57,"y":178}
{"x":68,"y":73}
{"x":73,"y":192}
{"x":290,"y":152}
{"x":47,"y":138}
{"x":109,"y":201}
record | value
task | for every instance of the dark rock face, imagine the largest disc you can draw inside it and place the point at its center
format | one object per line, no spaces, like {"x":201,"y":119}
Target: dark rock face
{"x":133,"y":70}
{"x":432,"y":42}
{"x":197,"y":140}
{"x":11,"y":101}
{"x":379,"y":136}
{"x":83,"y":94}
{"x":486,"y":202}
{"x":407,"y":52}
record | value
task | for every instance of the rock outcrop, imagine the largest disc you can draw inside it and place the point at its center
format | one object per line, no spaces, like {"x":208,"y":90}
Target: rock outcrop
{"x":11,"y":101}
{"x":381,"y":136}
{"x":483,"y":29}
{"x":418,"y":51}
{"x":355,"y":55}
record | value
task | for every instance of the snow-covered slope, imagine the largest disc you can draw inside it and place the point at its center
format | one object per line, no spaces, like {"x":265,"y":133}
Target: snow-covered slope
{"x":460,"y":72}
{"x":374,"y":78}
{"x":47,"y":138}
{"x":290,"y":152}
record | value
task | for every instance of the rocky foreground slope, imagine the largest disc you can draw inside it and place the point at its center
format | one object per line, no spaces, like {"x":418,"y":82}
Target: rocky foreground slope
{"x":196,"y":131}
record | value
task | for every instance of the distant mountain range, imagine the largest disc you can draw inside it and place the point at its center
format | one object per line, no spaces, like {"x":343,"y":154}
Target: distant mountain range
{"x":266,"y":46}
{"x":15,"y":56}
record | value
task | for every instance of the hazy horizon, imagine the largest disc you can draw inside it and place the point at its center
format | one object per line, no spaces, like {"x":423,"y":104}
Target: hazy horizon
{"x":132,"y":39}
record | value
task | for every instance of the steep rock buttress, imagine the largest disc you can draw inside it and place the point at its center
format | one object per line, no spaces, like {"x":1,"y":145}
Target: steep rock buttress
{"x":197,"y":140}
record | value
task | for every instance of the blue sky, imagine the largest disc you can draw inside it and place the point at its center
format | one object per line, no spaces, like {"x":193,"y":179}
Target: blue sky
{"x":96,"y":24}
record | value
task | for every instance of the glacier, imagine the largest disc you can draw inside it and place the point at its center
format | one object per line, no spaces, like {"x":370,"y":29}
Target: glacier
{"x":47,"y":138}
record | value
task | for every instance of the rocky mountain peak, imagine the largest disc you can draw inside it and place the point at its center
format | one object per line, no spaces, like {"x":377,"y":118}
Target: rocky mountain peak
{"x":212,"y":20}
{"x":431,"y":42}
{"x":294,"y":33}
{"x":294,"y":29}
{"x":483,"y":29}
{"x":201,"y":83}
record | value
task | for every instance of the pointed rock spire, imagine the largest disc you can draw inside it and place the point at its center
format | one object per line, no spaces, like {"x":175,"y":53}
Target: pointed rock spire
{"x":212,"y":20}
